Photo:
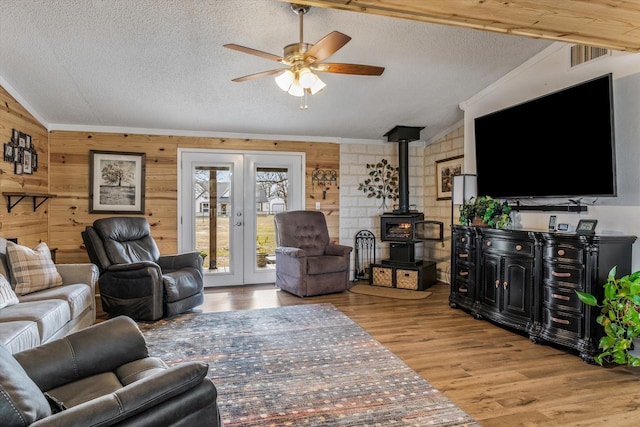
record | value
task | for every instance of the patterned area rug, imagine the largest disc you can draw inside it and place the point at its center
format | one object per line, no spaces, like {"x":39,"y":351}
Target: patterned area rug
{"x":301,"y":365}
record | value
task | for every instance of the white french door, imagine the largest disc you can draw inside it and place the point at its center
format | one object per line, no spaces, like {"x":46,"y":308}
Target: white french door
{"x":227,"y":201}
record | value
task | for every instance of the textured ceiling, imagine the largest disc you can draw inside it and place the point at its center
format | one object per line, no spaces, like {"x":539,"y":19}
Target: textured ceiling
{"x":160,"y":65}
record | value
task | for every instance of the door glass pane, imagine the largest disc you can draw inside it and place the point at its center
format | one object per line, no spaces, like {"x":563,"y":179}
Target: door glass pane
{"x":271,"y":189}
{"x":213,"y":206}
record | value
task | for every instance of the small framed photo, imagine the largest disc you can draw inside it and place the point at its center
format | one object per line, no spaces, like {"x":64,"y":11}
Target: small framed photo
{"x":26,"y":162}
{"x":445,"y":170}
{"x":116,"y":182}
{"x":34,"y":161}
{"x":586,"y":226}
{"x":17,"y":154}
{"x":15,"y":136}
{"x":28,"y":142}
{"x":22,"y":140}
{"x":8,"y":152}
{"x":17,"y":168}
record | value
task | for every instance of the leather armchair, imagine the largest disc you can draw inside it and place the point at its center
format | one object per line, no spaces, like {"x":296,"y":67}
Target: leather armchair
{"x":307,"y":263}
{"x":135,"y":280}
{"x":103,"y":376}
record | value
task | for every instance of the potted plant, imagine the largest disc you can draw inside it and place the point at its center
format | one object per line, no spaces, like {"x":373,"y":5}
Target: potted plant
{"x":261,"y":251}
{"x":619,"y":317}
{"x":485,"y":211}
{"x":203,"y":254}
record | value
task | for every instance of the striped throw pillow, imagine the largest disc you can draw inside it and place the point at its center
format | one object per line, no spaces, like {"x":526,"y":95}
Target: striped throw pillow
{"x":32,"y":269}
{"x":7,"y":296}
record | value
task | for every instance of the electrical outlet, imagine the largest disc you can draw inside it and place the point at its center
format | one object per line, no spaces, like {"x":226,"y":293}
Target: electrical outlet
{"x":318,"y":205}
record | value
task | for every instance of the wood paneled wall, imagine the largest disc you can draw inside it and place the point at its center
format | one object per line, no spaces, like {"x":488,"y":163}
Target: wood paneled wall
{"x":69,"y":180}
{"x":28,"y":226}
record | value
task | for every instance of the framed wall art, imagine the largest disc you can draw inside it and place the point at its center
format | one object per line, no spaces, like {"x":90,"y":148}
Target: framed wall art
{"x":445,"y":170}
{"x":21,"y":151}
{"x":116,"y":182}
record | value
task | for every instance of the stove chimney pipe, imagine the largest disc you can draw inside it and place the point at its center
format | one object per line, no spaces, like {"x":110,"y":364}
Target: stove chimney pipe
{"x":403,"y":135}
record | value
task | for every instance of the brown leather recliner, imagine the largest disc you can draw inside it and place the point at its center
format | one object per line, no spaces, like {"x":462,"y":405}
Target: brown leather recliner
{"x":135,"y":280}
{"x":103,"y":376}
{"x":307,"y":263}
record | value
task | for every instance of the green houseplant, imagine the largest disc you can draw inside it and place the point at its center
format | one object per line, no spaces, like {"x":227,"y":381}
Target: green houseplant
{"x":486,"y":211}
{"x":619,"y":316}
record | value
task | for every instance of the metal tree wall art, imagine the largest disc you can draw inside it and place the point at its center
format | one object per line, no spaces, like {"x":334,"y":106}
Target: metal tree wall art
{"x":382,"y":182}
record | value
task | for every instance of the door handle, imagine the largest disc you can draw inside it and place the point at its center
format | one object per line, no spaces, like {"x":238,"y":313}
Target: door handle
{"x":239,"y":223}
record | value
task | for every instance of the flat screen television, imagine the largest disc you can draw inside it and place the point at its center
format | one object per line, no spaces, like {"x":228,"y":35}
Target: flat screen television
{"x":557,"y":145}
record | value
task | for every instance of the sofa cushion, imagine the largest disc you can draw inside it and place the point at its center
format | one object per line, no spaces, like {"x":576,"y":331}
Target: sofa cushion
{"x":49,"y":315}
{"x":32,"y":269}
{"x":78,"y":296}
{"x":21,"y":401}
{"x":7,"y":296}
{"x":19,"y":335}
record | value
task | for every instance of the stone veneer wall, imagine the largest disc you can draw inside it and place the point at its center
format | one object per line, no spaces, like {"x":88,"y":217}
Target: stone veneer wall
{"x":357,"y":212}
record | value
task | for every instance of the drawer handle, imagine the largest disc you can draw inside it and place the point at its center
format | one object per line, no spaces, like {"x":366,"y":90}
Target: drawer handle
{"x":464,"y":273}
{"x":563,"y":321}
{"x":464,"y":255}
{"x":489,"y":243}
{"x":561,"y":252}
{"x":518,"y":247}
{"x":504,"y":285}
{"x":463,"y":290}
{"x":464,"y":239}
{"x":497,"y":283}
{"x":562,"y":297}
{"x":556,"y":274}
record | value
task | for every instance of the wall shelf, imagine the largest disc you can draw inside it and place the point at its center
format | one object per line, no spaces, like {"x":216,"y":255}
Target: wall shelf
{"x":12,"y":202}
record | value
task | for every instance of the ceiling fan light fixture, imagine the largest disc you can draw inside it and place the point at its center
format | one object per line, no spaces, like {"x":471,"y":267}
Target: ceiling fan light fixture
{"x":285,"y":79}
{"x":318,"y":85}
{"x":306,"y":78}
{"x":296,"y":89}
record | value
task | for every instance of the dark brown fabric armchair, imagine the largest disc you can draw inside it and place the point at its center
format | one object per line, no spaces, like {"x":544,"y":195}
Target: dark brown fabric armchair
{"x":135,"y":280}
{"x":307,"y":263}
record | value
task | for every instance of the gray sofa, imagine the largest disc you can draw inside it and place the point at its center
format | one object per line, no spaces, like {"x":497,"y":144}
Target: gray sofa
{"x":48,"y":314}
{"x":103,"y":376}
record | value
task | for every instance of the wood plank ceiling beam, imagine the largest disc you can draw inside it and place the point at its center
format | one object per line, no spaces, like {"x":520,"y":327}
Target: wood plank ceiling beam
{"x":612,"y":24}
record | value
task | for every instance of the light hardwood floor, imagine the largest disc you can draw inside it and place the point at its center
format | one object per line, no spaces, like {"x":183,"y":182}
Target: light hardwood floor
{"x":497,"y":376}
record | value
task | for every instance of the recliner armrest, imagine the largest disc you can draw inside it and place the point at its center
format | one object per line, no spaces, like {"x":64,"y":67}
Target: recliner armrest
{"x":99,"y":348}
{"x":131,"y":399}
{"x":175,"y":262}
{"x":337,"y":250}
{"x":142,"y":266}
{"x":291,"y":252}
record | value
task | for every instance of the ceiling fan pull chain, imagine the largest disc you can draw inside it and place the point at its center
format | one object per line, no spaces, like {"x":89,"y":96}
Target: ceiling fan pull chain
{"x":303,"y":101}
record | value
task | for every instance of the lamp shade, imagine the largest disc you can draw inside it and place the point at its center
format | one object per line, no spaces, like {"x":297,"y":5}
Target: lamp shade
{"x":285,"y":79}
{"x":317,"y":86}
{"x":464,"y":188}
{"x":306,"y":78}
{"x":296,"y":89}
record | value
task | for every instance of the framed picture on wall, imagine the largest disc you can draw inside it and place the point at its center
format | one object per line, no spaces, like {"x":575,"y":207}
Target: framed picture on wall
{"x":445,"y":170}
{"x":116,"y":182}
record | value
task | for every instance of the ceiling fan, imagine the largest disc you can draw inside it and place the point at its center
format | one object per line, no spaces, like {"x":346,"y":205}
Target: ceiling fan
{"x":303,"y":59}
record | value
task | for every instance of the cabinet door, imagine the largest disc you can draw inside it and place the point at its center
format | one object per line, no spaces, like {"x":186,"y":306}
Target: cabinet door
{"x":490,"y":281}
{"x":517,"y":287}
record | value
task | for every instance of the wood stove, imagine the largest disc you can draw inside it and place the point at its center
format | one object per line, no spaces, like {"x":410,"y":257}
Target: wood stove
{"x":403,"y":228}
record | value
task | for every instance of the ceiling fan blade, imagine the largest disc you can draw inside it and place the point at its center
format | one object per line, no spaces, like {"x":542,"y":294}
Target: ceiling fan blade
{"x":326,"y":46}
{"x":359,"y":69}
{"x":258,"y":75}
{"x":254,"y":52}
